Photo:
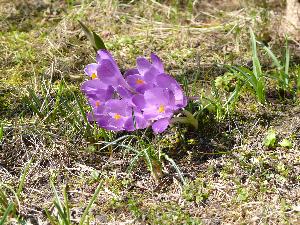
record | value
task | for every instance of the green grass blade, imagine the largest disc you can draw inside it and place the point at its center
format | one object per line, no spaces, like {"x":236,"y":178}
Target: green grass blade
{"x":256,"y":64}
{"x":175,"y":167}
{"x":22,"y":178}
{"x":31,"y":102}
{"x":257,"y":71}
{"x":3,"y":198}
{"x":34,"y":97}
{"x":56,"y":197}
{"x":6,"y":213}
{"x":246,"y":74}
{"x":134,"y":161}
{"x":88,"y":33}
{"x":129,"y":148}
{"x":83,"y":113}
{"x":58,"y":98}
{"x":287,"y":62}
{"x":75,"y":119}
{"x":148,"y":159}
{"x":298,"y":84}
{"x":1,"y":132}
{"x":234,"y":95}
{"x":253,"y":43}
{"x":62,"y":213}
{"x":273,"y":57}
{"x":96,"y":42}
{"x":93,"y":199}
{"x":52,"y":219}
{"x":67,"y":208}
{"x":115,"y":141}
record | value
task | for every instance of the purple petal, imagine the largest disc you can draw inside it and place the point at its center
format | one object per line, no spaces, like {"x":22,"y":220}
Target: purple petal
{"x":118,"y":106}
{"x":160,"y":125}
{"x":136,"y":122}
{"x":108,"y":70}
{"x":157,"y":63}
{"x":151,"y":74}
{"x":123,"y":92}
{"x":91,"y":70}
{"x":97,"y":88}
{"x":143,"y":65}
{"x":104,"y":54}
{"x":108,"y":73}
{"x":166,"y":81}
{"x":139,"y":101}
{"x":131,"y":72}
{"x":153,"y":113}
{"x":138,"y":83}
{"x":117,"y":123}
{"x":158,"y":96}
{"x":97,"y":104}
{"x":102,"y":120}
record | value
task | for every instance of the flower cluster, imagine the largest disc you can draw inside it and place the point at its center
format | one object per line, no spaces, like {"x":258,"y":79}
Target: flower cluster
{"x":145,"y":96}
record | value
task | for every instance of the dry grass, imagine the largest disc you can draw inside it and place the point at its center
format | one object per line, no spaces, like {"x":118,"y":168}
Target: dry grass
{"x":233,"y":178}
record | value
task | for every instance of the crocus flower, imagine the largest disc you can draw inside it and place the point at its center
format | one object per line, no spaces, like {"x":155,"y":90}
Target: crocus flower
{"x":148,"y":75}
{"x":157,"y":104}
{"x":166,"y":81}
{"x":106,"y":69}
{"x":147,"y":96}
{"x":144,"y":76}
{"x":97,"y":87}
{"x":150,"y":71}
{"x":118,"y":116}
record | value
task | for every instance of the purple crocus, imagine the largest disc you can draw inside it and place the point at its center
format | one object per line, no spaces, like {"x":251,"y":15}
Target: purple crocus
{"x":97,"y":87}
{"x":106,"y":69}
{"x":149,"y":75}
{"x":118,"y":115}
{"x":166,"y":81}
{"x":147,"y":96}
{"x":157,"y":104}
{"x":144,"y":76}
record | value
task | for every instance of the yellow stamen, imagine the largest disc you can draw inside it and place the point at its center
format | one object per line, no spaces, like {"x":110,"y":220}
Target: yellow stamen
{"x":97,"y":103}
{"x":94,"y":76}
{"x":117,"y":116}
{"x":139,"y":81}
{"x":161,"y":109}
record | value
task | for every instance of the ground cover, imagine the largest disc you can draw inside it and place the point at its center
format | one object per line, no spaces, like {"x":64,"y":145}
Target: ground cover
{"x":240,"y":167}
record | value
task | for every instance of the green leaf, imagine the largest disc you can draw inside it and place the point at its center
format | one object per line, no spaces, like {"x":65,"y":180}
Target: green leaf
{"x":99,"y":44}
{"x":270,"y":139}
{"x":286,"y":143}
{"x":86,"y":31}
{"x":96,"y":42}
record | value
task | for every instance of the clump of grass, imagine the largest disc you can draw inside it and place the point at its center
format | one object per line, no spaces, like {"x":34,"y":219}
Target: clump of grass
{"x":255,"y":78}
{"x":282,"y":68}
{"x":63,"y":216}
{"x":10,"y":199}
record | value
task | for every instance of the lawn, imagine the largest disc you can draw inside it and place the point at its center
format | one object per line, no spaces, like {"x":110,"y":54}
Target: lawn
{"x":241,"y":74}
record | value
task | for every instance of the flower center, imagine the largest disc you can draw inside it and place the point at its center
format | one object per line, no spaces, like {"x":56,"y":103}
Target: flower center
{"x":94,"y":76}
{"x":97,"y":103}
{"x":139,"y":81}
{"x":161,"y":109}
{"x":117,"y":116}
